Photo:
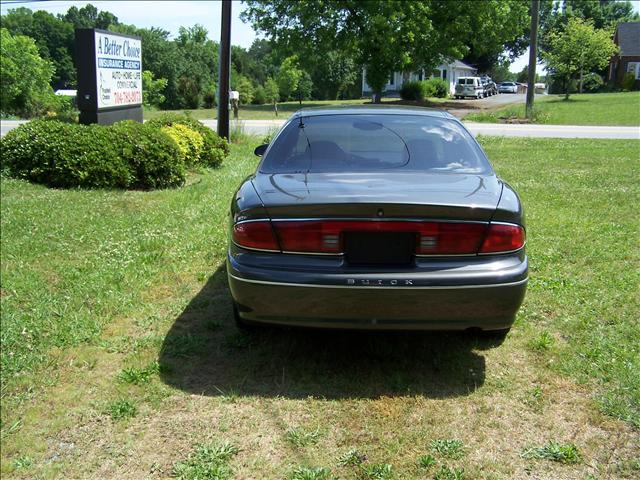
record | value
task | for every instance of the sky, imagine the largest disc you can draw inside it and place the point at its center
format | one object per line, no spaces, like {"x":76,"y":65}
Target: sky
{"x":170,"y":15}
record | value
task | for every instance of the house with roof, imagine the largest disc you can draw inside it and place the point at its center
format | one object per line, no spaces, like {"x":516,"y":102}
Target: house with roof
{"x":450,"y":72}
{"x":627,"y":37}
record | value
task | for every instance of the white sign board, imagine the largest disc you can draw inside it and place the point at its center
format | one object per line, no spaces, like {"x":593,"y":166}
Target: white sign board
{"x":118,"y":70}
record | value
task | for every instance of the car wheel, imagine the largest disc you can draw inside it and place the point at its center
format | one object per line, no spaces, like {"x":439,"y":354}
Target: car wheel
{"x":492,"y":338}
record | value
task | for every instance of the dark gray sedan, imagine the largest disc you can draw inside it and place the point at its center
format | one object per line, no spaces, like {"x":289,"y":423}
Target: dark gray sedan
{"x":376,"y":218}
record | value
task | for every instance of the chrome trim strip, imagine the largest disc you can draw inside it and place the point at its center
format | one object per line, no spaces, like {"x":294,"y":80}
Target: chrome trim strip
{"x":484,"y":254}
{"x":255,"y":249}
{"x":315,"y":253}
{"x":377,"y":219}
{"x":381,"y":287}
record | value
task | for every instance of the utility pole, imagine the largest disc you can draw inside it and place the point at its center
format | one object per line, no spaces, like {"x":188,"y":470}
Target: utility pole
{"x":533,"y":57}
{"x":225,"y":65}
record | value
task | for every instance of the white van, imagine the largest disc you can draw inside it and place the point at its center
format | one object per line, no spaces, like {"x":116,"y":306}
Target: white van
{"x":469,"y":87}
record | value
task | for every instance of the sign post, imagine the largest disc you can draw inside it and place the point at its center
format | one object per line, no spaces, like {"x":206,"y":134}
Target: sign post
{"x":109,"y":69}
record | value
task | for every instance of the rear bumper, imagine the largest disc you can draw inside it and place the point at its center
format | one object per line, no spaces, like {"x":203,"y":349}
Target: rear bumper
{"x":473,"y":292}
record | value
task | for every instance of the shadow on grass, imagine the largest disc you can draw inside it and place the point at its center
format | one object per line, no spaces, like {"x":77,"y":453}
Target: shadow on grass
{"x":205,"y":354}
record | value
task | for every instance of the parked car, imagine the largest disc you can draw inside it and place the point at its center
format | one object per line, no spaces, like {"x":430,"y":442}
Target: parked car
{"x":469,"y":87}
{"x":376,"y":218}
{"x":489,"y":86}
{"x":508,"y":87}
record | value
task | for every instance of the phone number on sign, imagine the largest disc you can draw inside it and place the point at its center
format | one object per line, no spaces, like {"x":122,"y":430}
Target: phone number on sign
{"x":126,"y":97}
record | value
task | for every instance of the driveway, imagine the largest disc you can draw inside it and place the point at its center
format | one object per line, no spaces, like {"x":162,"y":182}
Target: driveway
{"x":460,"y":108}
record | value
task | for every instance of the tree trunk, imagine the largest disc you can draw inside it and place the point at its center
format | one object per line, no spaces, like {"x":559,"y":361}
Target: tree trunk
{"x":275,"y":108}
{"x":533,"y":58}
{"x":580,"y":89}
{"x":377,"y":97}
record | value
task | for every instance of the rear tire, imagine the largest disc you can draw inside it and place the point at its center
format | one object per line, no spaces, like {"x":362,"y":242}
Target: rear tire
{"x":493,"y":338}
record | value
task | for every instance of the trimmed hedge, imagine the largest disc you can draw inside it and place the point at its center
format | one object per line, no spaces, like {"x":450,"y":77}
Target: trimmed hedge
{"x":436,"y":87}
{"x":413,"y":90}
{"x":214,"y":148}
{"x":418,"y":91}
{"x":189,"y":142}
{"x":124,"y":155}
{"x":153,"y":156}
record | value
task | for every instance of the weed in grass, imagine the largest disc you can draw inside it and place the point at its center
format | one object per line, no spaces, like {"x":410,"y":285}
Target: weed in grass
{"x":544,"y":341}
{"x":120,"y":409}
{"x":426,"y":461}
{"x":377,"y":471}
{"x":301,"y":438}
{"x":448,"y":448}
{"x":556,"y":452}
{"x":310,"y":473}
{"x":448,"y":473}
{"x":208,"y":461}
{"x":23,"y":461}
{"x":139,"y":376}
{"x":352,"y":458}
{"x":534,"y":397}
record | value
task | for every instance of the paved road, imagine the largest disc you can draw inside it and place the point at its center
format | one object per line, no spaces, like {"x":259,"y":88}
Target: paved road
{"x":262,"y":127}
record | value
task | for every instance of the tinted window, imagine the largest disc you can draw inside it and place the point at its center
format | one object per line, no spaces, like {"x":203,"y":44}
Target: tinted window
{"x":346,"y":143}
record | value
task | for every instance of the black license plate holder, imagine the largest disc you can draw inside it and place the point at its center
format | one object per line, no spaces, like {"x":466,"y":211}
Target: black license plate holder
{"x":379,"y":248}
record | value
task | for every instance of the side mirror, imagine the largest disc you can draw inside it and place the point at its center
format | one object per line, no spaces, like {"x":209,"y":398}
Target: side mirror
{"x":259,"y":151}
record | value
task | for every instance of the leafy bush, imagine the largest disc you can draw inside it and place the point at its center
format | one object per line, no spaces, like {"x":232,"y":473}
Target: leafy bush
{"x":64,"y":155}
{"x":413,"y":91}
{"x":259,"y":96}
{"x":189,"y":142}
{"x":214,"y":148}
{"x":124,"y":155}
{"x":152,"y":155}
{"x":592,"y":82}
{"x":628,"y":81}
{"x":438,"y":87}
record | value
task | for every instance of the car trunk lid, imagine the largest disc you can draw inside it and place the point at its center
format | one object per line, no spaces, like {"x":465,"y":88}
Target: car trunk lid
{"x":409,"y":195}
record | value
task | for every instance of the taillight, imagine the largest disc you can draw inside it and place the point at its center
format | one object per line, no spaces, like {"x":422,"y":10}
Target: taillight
{"x":503,"y":238}
{"x":327,"y":236}
{"x":440,"y":238}
{"x":432,"y":238}
{"x":255,"y":234}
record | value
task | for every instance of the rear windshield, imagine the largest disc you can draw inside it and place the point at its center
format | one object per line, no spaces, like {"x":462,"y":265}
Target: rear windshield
{"x":347,"y":143}
{"x":465,"y":81}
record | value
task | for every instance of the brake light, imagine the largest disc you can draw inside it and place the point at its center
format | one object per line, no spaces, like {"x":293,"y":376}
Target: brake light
{"x":326,"y":236}
{"x":503,"y":238}
{"x":432,"y":238}
{"x":255,"y":234}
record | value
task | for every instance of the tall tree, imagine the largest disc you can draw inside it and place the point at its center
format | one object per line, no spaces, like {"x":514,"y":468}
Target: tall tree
{"x":388,"y":35}
{"x":577,"y":49}
{"x":54,"y":39}
{"x":24,"y":76}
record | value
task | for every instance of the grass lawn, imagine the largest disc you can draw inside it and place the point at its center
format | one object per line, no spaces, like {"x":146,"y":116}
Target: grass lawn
{"x":285,"y":109}
{"x":120,"y":358}
{"x":580,"y":109}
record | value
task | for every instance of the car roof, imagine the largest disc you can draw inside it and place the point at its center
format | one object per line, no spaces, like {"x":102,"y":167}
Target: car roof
{"x":372,"y":110}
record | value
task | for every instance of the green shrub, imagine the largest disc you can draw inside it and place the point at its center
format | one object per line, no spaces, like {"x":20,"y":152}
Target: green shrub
{"x":628,"y":81}
{"x":437,"y":88}
{"x":214,"y":148}
{"x":125,"y":155}
{"x":64,"y":155}
{"x":413,"y":90}
{"x":189,"y":142}
{"x":153,"y":156}
{"x":592,"y":82}
{"x":259,"y":96}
